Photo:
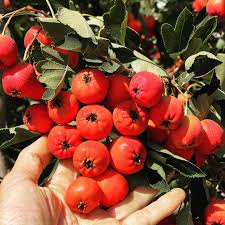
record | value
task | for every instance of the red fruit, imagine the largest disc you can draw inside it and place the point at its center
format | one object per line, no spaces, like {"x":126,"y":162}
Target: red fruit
{"x":91,"y":158}
{"x":146,"y":88}
{"x":63,"y":108}
{"x":189,"y":134}
{"x":150,"y":22}
{"x":20,"y":81}
{"x":114,"y":187}
{"x":130,"y":119}
{"x":94,"y":122}
{"x":128,"y":154}
{"x":8,"y":53}
{"x":214,"y":137}
{"x":63,"y":140}
{"x":90,"y":86}
{"x":186,"y":153}
{"x":156,"y":134}
{"x":168,"y":113}
{"x":73,"y":56}
{"x":216,"y":7}
{"x":41,"y":37}
{"x":83,"y":195}
{"x":200,"y":159}
{"x":118,"y":90}
{"x":36,"y":118}
{"x":7,"y":3}
{"x":135,"y":25}
{"x":215,"y":212}
{"x":198,"y":5}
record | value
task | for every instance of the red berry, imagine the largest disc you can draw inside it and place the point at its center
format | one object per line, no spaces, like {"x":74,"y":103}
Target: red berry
{"x":8,"y":53}
{"x":73,"y":56}
{"x":63,"y":108}
{"x":146,"y":88}
{"x":135,"y":25}
{"x":20,"y":81}
{"x":150,"y":22}
{"x":63,"y":141}
{"x":128,"y":154}
{"x":91,"y":158}
{"x":198,"y":5}
{"x":36,"y":118}
{"x":216,"y":7}
{"x":168,"y":113}
{"x":130,"y":119}
{"x":114,"y":187}
{"x":94,"y":122}
{"x":83,"y":195}
{"x":200,"y":159}
{"x":90,"y":86}
{"x":118,"y":90}
{"x":41,"y":37}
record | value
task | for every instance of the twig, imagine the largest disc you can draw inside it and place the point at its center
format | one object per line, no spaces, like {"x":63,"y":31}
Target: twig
{"x":7,"y":23}
{"x":50,"y":8}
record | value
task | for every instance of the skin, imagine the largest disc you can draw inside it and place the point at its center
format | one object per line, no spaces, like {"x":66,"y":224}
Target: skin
{"x":23,"y":202}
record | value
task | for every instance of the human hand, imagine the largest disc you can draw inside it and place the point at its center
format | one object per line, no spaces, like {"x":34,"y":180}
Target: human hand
{"x":23,"y":202}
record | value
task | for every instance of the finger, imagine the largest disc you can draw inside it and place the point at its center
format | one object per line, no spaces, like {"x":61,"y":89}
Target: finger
{"x":137,"y":199}
{"x":63,"y":176}
{"x":32,"y":160}
{"x":158,"y":210}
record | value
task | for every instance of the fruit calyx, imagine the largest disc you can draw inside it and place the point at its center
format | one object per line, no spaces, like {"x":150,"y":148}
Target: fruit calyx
{"x":65,"y":145}
{"x":81,"y":206}
{"x":92,"y":117}
{"x":87,"y":77}
{"x":134,"y":115}
{"x":137,"y":158}
{"x":136,"y":90}
{"x":15,"y":93}
{"x":29,"y":117}
{"x":57,"y":103}
{"x":88,"y":163}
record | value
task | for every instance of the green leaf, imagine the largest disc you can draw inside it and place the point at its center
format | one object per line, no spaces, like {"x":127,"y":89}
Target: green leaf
{"x":175,"y":162}
{"x":110,"y":67}
{"x":77,"y":23}
{"x":71,"y":43}
{"x":15,"y":135}
{"x":184,"y":216}
{"x":132,"y":39}
{"x":193,"y":47}
{"x":205,"y":29}
{"x":184,"y":27}
{"x":201,"y":63}
{"x":168,"y":36}
{"x":157,"y":167}
{"x":115,"y":22}
{"x":220,"y":71}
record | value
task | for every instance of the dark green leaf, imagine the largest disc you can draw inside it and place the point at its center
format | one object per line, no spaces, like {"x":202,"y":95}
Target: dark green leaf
{"x":193,"y":47}
{"x":132,"y":39}
{"x":15,"y":135}
{"x":115,"y":22}
{"x":184,"y":216}
{"x":220,"y":71}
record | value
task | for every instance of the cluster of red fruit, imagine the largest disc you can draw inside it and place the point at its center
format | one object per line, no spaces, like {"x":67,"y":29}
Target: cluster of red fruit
{"x":213,"y":7}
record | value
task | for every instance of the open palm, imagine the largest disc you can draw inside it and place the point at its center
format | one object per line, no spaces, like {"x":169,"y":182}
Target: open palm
{"x":22,"y":202}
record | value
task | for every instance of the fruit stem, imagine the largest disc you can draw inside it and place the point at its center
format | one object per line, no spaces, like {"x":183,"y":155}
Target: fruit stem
{"x":29,"y":45}
{"x":7,"y":23}
{"x":50,"y":8}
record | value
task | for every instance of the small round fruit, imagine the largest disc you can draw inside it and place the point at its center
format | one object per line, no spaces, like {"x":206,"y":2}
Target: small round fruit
{"x":200,"y":159}
{"x":189,"y":134}
{"x":83,"y":195}
{"x":216,"y":7}
{"x":168,"y":113}
{"x":150,"y":22}
{"x":214,"y":137}
{"x":198,"y":5}
{"x":128,"y":154}
{"x":135,"y":25}
{"x":146,"y":88}
{"x":94,"y":122}
{"x":36,"y":118}
{"x":114,"y":187}
{"x":155,"y":134}
{"x":63,"y":140}
{"x":8,"y":53}
{"x":130,"y":119}
{"x":73,"y":56}
{"x":20,"y":81}
{"x":90,"y":86}
{"x":91,"y":158}
{"x":63,"y":108}
{"x":41,"y":37}
{"x":118,"y":90}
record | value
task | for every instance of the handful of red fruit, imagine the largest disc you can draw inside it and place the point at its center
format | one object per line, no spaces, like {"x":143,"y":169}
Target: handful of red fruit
{"x":114,"y":102}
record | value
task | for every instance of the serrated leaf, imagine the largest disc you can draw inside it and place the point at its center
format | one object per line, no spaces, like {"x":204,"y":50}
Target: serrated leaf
{"x":220,"y":71}
{"x":115,"y":22}
{"x":77,"y":23}
{"x":175,"y":162}
{"x":184,"y":216}
{"x":15,"y":135}
{"x":201,"y":63}
{"x":184,"y":27}
{"x":205,"y":29}
{"x":71,"y":43}
{"x":168,"y":36}
{"x":140,"y":65}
